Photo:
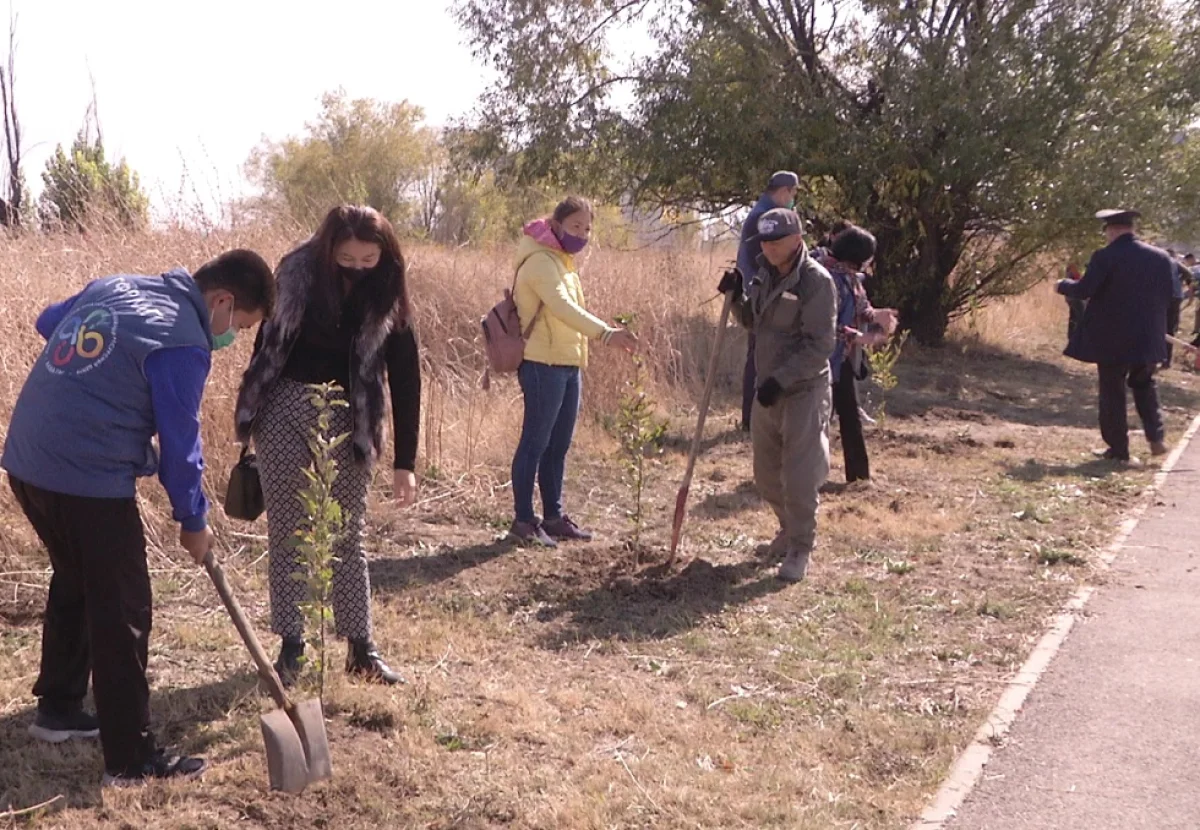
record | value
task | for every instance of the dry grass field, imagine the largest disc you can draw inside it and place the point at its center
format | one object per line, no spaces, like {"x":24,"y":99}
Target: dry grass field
{"x":581,"y":688}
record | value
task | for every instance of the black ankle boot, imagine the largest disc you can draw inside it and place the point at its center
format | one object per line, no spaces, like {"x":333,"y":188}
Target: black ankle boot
{"x":289,"y":664}
{"x":364,"y":660}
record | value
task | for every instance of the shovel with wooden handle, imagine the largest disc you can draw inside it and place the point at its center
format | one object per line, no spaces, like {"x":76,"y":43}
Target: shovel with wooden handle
{"x":294,"y":734}
{"x":682,"y":496}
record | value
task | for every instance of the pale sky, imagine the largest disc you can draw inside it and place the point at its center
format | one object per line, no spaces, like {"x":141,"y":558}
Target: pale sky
{"x":196,"y":85}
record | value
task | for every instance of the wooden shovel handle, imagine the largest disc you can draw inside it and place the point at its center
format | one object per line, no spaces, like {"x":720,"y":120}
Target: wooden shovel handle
{"x":709,"y":383}
{"x":698,"y":437}
{"x":265,"y":670}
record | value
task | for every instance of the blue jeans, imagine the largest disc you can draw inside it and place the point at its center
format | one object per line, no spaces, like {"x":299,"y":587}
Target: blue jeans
{"x":551,"y":406}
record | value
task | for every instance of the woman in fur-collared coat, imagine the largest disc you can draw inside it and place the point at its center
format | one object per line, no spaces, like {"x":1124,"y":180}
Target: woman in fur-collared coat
{"x":342,"y":316}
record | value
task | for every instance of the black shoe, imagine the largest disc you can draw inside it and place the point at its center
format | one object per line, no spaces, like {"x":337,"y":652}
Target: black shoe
{"x":364,"y":660}
{"x":289,"y":664}
{"x":1117,"y":458}
{"x":161,"y":765}
{"x":526,"y":533}
{"x":55,"y":727}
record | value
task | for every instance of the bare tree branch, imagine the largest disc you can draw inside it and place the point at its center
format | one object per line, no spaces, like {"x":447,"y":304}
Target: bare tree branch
{"x":13,"y":210}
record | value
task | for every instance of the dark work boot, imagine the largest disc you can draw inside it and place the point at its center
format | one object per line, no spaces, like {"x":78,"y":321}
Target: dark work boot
{"x":365,"y":661}
{"x":289,"y":664}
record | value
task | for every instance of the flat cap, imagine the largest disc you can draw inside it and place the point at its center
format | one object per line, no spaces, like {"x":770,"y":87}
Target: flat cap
{"x":1118,"y":216}
{"x":778,"y":223}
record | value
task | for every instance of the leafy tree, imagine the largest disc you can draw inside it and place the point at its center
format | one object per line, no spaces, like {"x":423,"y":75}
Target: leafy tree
{"x":357,"y":151}
{"x":84,"y":189}
{"x":968,"y":135}
{"x":485,"y":210}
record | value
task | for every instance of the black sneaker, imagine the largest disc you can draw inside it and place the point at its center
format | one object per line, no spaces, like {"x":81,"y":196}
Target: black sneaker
{"x":289,"y":664}
{"x":161,"y":765}
{"x":56,"y":727}
{"x":365,"y":661}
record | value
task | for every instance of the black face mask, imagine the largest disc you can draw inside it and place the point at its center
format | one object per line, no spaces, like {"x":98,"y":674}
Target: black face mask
{"x":353,"y":275}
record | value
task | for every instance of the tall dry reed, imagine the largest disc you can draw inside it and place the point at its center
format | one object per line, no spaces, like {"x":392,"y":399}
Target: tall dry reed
{"x":468,"y":435}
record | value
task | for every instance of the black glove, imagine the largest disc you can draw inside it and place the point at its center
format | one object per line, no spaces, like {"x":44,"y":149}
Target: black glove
{"x":1061,"y":285}
{"x":769,"y":392}
{"x":732,"y":281}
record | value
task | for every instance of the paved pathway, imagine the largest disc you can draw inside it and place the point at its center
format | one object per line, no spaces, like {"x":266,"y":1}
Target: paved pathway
{"x":1109,"y":739}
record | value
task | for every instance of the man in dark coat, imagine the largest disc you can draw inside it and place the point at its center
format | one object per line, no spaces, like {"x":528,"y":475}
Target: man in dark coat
{"x":1128,"y":287}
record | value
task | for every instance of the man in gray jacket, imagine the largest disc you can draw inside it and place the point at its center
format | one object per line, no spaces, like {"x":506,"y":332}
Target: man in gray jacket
{"x":790,"y":306}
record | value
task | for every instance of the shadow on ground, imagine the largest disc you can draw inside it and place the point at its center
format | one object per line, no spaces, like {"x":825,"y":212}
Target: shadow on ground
{"x":444,"y":563}
{"x":36,"y":772}
{"x":656,"y":603}
{"x":1032,"y":471}
{"x":980,"y":382}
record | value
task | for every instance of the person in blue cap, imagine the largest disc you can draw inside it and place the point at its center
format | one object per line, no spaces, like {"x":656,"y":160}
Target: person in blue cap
{"x":780,"y":192}
{"x":125,"y":359}
{"x":1128,"y":288}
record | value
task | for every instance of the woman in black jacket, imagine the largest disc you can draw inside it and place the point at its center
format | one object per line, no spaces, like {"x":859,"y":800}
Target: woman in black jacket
{"x":342,"y":315}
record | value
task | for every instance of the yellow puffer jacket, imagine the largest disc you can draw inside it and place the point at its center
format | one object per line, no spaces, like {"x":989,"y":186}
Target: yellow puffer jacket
{"x":547,"y":276}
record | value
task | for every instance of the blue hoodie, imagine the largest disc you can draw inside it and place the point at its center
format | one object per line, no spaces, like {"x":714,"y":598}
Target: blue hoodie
{"x":750,"y":249}
{"x":126,"y":358}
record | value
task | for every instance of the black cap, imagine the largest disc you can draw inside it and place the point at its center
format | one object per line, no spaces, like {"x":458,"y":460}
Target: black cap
{"x":783,"y":178}
{"x":778,"y":223}
{"x":1122,"y":216}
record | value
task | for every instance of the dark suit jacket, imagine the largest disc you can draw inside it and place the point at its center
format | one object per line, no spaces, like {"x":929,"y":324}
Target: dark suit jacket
{"x":1128,"y":287}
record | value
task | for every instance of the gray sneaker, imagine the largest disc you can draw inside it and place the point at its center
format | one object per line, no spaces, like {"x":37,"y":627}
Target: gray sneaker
{"x":794,"y":567}
{"x":526,"y":533}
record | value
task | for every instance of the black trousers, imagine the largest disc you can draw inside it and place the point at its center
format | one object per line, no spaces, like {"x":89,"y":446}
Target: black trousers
{"x":749,"y":377}
{"x":854,"y":446}
{"x":1173,"y":311}
{"x":1114,"y":424}
{"x":98,"y":616}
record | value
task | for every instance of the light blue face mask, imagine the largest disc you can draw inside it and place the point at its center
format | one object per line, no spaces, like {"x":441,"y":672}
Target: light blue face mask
{"x":220,"y":341}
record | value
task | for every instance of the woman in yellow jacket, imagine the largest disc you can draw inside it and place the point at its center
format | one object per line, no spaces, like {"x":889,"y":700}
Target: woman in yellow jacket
{"x":550,"y":296}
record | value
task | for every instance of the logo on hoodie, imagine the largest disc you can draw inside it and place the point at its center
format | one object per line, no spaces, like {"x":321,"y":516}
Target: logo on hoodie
{"x":83,"y":340}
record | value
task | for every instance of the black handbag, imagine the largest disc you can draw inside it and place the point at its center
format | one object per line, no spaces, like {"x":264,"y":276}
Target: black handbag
{"x":863,"y":370}
{"x":244,"y":496}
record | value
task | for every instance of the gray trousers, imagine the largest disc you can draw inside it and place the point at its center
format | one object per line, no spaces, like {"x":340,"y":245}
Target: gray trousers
{"x":791,"y":460}
{"x":281,"y":437}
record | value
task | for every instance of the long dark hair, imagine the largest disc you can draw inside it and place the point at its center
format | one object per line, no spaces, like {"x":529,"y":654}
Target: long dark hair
{"x":387,"y":287}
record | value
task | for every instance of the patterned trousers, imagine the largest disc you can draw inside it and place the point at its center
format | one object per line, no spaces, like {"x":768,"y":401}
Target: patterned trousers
{"x":281,"y":439}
